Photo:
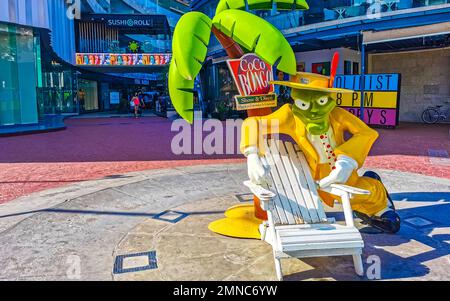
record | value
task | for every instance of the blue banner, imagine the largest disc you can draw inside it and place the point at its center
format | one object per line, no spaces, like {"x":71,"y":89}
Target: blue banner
{"x":373,"y":82}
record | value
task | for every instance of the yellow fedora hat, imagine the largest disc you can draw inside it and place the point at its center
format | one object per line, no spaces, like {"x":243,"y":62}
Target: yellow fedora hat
{"x":311,"y":81}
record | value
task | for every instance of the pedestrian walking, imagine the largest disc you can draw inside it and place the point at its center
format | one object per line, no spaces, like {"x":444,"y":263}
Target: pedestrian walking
{"x":141,"y":104}
{"x":137,"y":102}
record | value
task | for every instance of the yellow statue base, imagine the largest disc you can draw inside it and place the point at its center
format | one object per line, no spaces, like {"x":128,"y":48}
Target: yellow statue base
{"x":239,"y":222}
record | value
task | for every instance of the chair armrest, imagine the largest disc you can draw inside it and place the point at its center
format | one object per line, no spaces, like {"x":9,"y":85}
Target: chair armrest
{"x":350,"y":189}
{"x":263,"y":194}
{"x":340,"y":189}
{"x":346,"y":193}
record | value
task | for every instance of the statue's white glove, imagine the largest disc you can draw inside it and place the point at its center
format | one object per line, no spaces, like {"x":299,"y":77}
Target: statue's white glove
{"x":258,"y":169}
{"x":344,"y":169}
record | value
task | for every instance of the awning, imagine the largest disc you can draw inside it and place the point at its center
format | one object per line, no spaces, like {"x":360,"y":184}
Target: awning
{"x":375,"y":37}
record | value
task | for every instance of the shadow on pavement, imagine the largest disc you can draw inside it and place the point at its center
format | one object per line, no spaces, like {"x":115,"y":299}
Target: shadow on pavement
{"x":416,"y":251}
{"x":110,"y":213}
{"x":424,"y":237}
{"x":111,"y":177}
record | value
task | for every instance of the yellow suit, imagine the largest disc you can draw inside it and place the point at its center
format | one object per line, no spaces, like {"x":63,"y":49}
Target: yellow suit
{"x":283,"y":121}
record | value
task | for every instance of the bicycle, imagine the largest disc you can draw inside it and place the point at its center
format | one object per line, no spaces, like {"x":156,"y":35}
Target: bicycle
{"x":432,"y":115}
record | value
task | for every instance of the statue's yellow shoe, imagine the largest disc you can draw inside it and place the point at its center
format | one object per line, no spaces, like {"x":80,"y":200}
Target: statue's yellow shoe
{"x":239,"y":222}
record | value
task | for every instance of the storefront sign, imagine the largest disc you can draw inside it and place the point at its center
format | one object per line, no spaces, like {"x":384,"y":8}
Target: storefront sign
{"x":128,"y":59}
{"x":125,"y":21}
{"x":257,"y":101}
{"x":252,"y":77}
{"x":130,"y":23}
{"x":381,"y":97}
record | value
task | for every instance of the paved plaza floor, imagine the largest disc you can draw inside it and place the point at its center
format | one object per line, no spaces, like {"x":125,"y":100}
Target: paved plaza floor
{"x":93,"y":148}
{"x":106,"y":199}
{"x":152,"y":225}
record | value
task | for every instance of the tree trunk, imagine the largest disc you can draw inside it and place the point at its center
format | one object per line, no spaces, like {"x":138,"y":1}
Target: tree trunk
{"x":234,"y":51}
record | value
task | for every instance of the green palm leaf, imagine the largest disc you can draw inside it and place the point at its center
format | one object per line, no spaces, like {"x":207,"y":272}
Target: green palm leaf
{"x":291,"y":4}
{"x":181,"y":93}
{"x":190,"y":43}
{"x":261,"y":4}
{"x":189,"y":46}
{"x":258,"y":36}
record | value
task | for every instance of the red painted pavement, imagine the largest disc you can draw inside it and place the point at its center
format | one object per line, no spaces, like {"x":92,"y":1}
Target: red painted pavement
{"x":96,"y":148}
{"x":406,"y":149}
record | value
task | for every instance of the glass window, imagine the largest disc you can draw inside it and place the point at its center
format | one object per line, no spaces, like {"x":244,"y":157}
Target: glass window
{"x":355,"y":68}
{"x":143,"y":43}
{"x":348,"y":67}
{"x":57,"y":94}
{"x":18,"y":103}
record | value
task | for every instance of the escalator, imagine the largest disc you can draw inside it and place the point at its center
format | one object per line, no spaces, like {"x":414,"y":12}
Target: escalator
{"x":96,"y":6}
{"x":166,"y":8}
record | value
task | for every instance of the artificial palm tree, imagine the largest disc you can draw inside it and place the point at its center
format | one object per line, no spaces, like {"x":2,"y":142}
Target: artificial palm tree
{"x":238,"y":31}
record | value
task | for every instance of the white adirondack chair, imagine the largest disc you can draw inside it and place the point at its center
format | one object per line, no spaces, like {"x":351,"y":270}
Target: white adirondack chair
{"x":297,"y":225}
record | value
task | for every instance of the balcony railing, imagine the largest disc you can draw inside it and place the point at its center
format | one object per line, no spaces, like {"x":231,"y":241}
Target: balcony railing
{"x":342,"y":9}
{"x":286,"y":20}
{"x":153,"y":6}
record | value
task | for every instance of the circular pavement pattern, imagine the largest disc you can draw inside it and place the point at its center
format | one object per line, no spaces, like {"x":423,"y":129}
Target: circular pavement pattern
{"x":152,"y":225}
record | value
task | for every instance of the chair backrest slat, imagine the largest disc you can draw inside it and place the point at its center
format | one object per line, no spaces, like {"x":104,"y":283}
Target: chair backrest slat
{"x":312,"y":185}
{"x":306,"y":182}
{"x":281,"y":201}
{"x":297,"y":200}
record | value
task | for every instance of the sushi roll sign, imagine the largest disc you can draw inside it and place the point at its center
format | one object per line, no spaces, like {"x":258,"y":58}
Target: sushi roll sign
{"x":252,"y":77}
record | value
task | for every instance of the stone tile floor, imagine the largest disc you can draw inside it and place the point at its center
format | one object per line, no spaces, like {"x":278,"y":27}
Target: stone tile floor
{"x":89,"y":224}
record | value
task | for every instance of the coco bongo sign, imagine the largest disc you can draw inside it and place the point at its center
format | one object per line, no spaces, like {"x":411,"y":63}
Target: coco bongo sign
{"x":252,"y":77}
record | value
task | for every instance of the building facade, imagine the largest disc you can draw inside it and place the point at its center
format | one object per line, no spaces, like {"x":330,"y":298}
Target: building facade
{"x":408,"y":37}
{"x":51,"y":50}
{"x":124,"y":46}
{"x":60,"y":58}
{"x":34,"y":75}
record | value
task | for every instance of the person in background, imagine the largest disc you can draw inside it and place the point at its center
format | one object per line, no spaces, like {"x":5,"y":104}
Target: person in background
{"x":147,"y":101}
{"x":137,"y":102}
{"x":155,"y":100}
{"x":196,"y":98}
{"x":141,"y":104}
{"x":131,"y":105}
{"x":283,"y":93}
{"x":206,"y":105}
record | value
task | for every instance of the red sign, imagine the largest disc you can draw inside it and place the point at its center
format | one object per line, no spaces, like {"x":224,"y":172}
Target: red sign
{"x":252,"y":75}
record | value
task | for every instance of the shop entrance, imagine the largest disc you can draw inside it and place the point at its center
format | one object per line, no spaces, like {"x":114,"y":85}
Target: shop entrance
{"x":88,"y":95}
